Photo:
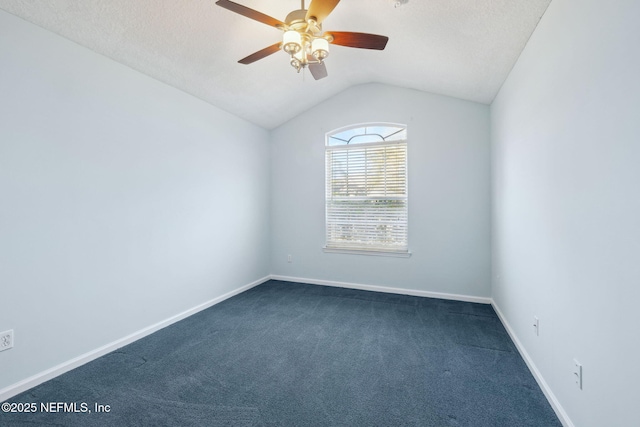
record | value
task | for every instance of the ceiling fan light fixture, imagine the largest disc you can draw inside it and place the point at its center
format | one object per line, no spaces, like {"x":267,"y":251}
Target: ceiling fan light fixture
{"x":303,"y":39}
{"x":291,"y":42}
{"x":298,"y":60}
{"x":295,"y":63}
{"x":320,"y":48}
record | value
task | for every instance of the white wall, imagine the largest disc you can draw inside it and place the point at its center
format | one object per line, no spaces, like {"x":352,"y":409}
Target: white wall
{"x":122,"y":201}
{"x":566,"y":223}
{"x":449,"y":192}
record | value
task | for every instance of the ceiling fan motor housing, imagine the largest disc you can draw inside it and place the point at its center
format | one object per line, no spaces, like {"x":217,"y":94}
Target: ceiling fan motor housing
{"x":297,"y":20}
{"x":296,"y":17}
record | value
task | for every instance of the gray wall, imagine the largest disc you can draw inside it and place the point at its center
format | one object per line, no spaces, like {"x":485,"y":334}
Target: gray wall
{"x":566,"y":223}
{"x":449,"y":192}
{"x":123,"y":201}
{"x":113,"y":186}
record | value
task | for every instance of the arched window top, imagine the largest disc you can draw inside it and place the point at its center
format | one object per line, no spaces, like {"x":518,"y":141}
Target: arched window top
{"x":367,"y":133}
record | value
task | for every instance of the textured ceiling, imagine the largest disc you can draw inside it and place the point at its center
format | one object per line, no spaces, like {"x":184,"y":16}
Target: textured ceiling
{"x":459,"y":48}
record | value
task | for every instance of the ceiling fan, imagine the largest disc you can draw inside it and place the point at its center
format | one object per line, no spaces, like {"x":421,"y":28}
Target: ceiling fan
{"x":303,"y":38}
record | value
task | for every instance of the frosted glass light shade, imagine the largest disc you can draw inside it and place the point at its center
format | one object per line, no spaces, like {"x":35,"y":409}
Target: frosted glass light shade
{"x":291,"y":42}
{"x":320,"y":48}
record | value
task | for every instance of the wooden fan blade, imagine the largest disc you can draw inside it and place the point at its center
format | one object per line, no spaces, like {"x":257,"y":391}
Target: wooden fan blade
{"x":320,"y":9}
{"x":261,"y":54}
{"x":318,"y":71}
{"x":250,"y":13}
{"x":359,"y":40}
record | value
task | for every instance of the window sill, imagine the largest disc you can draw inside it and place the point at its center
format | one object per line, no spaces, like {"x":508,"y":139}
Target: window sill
{"x":394,"y":254}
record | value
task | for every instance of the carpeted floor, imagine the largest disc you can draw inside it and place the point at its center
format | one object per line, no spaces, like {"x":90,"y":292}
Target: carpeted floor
{"x":286,"y":354}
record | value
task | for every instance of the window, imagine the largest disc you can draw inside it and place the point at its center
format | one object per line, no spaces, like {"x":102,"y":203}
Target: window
{"x":366,"y":189}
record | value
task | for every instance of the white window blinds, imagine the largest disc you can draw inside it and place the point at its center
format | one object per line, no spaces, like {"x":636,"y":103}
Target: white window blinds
{"x":366,"y":196}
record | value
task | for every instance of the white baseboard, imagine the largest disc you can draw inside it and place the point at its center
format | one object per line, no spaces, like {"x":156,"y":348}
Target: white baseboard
{"x":385,"y":289}
{"x":26,"y":384}
{"x":553,"y":401}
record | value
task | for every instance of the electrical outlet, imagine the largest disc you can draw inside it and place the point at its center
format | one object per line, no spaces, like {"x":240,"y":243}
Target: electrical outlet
{"x":6,"y":340}
{"x":536,"y":325}
{"x":289,"y":258}
{"x":577,"y":373}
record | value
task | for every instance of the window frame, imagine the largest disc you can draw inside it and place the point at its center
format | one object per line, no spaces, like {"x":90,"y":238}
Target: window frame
{"x":378,"y":251}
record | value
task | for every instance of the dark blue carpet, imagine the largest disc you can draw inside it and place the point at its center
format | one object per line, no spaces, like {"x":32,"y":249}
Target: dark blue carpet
{"x":301,"y":355}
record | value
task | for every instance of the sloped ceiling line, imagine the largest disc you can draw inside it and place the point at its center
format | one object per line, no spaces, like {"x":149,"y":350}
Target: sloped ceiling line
{"x":451,"y":47}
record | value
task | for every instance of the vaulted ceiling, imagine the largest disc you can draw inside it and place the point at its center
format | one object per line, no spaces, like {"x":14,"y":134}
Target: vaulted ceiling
{"x":458,"y":48}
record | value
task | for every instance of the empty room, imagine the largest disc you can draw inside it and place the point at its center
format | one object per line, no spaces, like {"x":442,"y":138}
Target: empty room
{"x":319,"y":212}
